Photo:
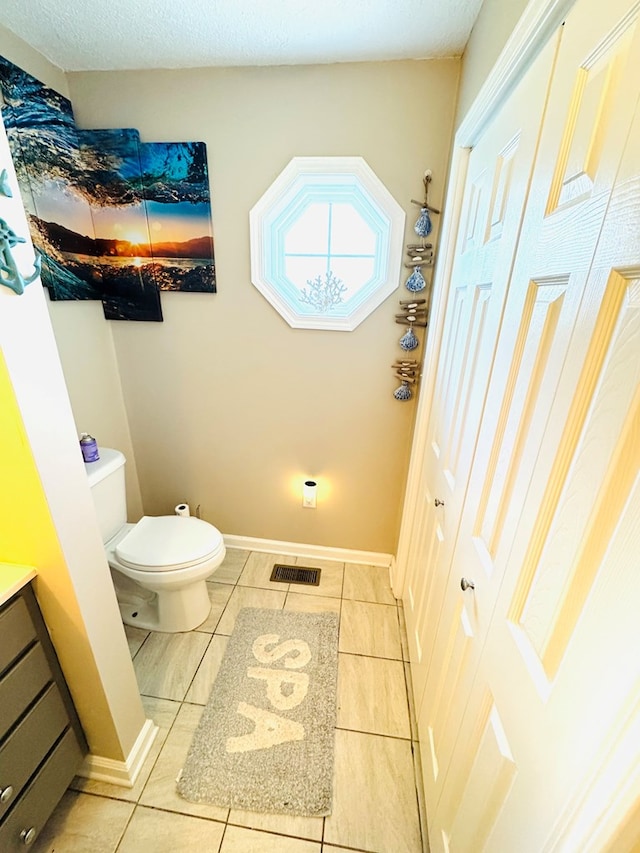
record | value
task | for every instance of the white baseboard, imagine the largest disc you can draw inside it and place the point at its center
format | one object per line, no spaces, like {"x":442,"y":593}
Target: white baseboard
{"x":299,"y":549}
{"x":123,"y":773}
{"x":396,"y":587}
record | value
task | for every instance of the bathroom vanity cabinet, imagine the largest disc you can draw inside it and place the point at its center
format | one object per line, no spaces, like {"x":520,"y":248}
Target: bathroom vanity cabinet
{"x":41,"y":741}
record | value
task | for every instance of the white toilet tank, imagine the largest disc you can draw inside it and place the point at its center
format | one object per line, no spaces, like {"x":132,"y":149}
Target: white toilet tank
{"x":106,"y":481}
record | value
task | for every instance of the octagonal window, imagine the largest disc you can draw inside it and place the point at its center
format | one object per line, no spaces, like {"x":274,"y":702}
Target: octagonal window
{"x":326,"y":243}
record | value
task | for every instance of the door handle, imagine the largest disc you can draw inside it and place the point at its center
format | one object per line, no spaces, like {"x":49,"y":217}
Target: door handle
{"x":466,"y":584}
{"x":438,"y":502}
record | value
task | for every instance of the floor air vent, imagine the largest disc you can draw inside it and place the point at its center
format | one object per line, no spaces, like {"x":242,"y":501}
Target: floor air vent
{"x":295,"y":574}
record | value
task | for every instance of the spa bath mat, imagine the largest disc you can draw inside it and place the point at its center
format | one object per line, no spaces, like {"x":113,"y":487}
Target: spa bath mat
{"x":266,"y":737}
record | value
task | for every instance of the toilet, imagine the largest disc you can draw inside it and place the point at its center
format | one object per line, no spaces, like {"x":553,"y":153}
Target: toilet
{"x":160,"y":565}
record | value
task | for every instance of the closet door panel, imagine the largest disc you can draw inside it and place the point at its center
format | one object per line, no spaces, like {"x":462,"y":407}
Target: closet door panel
{"x":554,"y":483}
{"x":567,"y":625}
{"x":497,"y":186}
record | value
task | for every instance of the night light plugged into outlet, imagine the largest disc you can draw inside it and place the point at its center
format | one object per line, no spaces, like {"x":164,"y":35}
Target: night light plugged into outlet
{"x":309,"y":494}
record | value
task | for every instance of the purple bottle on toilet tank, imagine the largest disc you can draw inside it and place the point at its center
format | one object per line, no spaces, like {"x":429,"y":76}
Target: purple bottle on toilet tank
{"x":89,"y":447}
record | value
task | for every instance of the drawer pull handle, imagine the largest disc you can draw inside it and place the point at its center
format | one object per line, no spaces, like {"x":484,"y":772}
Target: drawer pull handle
{"x":27,"y":836}
{"x":6,"y":794}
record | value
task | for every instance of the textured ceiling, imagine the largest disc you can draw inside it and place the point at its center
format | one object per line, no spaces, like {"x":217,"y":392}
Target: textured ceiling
{"x":83,"y":35}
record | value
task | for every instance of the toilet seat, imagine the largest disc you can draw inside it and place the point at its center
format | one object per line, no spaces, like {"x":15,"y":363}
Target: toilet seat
{"x":168,"y":542}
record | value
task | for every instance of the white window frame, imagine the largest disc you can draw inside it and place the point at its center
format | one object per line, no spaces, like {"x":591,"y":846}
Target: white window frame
{"x":268,"y":222}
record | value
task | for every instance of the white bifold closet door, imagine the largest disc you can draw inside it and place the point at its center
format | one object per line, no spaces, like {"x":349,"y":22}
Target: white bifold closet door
{"x":496,"y":189}
{"x":529,"y":720}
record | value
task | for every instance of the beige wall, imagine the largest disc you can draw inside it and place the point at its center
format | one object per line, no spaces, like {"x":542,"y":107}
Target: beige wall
{"x":228,"y":406}
{"x":491,"y":30}
{"x":87,"y":353}
{"x":34,"y":63}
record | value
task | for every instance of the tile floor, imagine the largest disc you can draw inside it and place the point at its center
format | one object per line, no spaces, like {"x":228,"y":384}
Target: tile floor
{"x":377,"y":807}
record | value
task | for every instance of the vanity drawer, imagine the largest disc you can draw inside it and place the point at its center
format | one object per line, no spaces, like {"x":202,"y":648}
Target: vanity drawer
{"x":21,"y":684}
{"x":29,"y":742}
{"x":24,"y":823}
{"x":16,"y":630}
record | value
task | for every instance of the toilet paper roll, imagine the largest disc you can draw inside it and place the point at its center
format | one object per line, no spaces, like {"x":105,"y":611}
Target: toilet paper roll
{"x":183,"y":509}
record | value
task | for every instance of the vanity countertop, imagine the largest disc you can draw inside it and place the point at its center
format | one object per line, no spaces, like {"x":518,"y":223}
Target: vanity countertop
{"x":13,"y":578}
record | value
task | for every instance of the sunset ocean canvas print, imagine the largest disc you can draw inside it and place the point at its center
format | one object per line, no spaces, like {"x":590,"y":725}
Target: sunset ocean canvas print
{"x":113,"y":218}
{"x":176,"y":191}
{"x":121,"y":235}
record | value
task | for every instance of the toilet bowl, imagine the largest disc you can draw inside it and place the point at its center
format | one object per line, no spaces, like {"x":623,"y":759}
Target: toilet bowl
{"x":171,"y":557}
{"x":160,"y":565}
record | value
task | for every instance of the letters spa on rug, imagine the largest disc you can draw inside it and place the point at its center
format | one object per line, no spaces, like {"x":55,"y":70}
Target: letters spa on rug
{"x":265,"y":741}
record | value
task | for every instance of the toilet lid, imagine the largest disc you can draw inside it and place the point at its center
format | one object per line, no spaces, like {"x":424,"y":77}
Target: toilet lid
{"x":165,"y":542}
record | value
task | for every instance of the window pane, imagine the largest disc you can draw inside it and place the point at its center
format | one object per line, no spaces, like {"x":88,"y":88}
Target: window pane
{"x":350,"y":234}
{"x":301,"y":270}
{"x":309,"y":233}
{"x":353,"y":272}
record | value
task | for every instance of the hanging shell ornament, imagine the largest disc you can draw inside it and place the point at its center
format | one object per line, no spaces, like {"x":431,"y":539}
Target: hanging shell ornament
{"x":406,"y":370}
{"x":413,"y":314}
{"x":423,"y":226}
{"x":403,"y":392}
{"x":409,"y":340}
{"x":416,"y":281}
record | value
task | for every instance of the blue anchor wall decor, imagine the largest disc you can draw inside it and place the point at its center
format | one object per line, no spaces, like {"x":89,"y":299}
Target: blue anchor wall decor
{"x":9,"y":273}
{"x":5,"y":189}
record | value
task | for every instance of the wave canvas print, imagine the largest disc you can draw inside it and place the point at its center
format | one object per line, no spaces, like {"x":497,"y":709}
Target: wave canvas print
{"x":114,"y":218}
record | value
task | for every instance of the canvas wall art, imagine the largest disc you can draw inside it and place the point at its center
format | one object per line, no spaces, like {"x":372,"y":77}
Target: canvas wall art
{"x":114,"y":218}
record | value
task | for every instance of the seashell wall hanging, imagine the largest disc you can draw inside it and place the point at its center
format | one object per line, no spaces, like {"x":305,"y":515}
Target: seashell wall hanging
{"x":413,"y":314}
{"x":421,"y":254}
{"x":406,"y":371}
{"x":409,"y":341}
{"x":414,"y":311}
{"x":424,"y":226}
{"x":403,"y":392}
{"x":416,"y":281}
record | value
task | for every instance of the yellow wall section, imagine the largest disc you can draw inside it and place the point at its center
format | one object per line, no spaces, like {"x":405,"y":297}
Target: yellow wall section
{"x":28,"y":536}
